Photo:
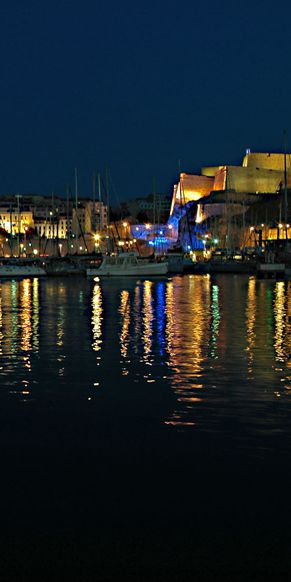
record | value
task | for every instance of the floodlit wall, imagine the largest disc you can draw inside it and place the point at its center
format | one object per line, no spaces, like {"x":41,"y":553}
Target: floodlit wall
{"x":266,"y":161}
{"x":191,"y":188}
{"x":210,"y":171}
{"x":249,"y":179}
{"x":13,"y":222}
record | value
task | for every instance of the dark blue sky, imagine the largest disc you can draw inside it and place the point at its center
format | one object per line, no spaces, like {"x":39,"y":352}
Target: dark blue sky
{"x":137,"y":86}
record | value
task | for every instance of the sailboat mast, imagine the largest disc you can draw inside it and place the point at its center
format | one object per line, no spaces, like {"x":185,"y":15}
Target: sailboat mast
{"x":93,"y":215}
{"x":76,"y":202}
{"x":100,"y":204}
{"x":108,"y":212}
{"x":68,"y":219}
{"x":285,"y":181}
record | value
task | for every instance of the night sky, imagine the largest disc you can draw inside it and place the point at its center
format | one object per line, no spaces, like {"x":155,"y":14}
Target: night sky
{"x":136,"y":87}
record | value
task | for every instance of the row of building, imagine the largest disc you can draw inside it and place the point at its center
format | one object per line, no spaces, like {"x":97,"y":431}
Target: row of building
{"x":52,"y":217}
{"x":227,"y":204}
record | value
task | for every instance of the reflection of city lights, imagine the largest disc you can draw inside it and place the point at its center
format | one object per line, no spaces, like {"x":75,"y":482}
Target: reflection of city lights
{"x":125,"y":312}
{"x":147,"y":320}
{"x":97,"y":317}
{"x":215,"y":319}
{"x":1,"y":324}
{"x":60,"y":325}
{"x":35,"y":314}
{"x":25,"y":317}
{"x":279,"y":312}
{"x":187,"y":337}
{"x":250,"y":322}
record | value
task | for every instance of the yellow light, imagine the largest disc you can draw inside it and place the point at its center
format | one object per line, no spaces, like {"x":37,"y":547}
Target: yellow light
{"x":251,"y":227}
{"x":124,"y":224}
{"x":280,"y":225}
{"x":287,"y":225}
{"x":262,"y":225}
{"x":147,"y":226}
{"x":35,"y":251}
{"x":97,"y":237}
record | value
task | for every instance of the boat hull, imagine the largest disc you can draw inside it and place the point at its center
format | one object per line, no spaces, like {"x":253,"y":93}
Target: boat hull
{"x":8,"y":272}
{"x":134,"y":271}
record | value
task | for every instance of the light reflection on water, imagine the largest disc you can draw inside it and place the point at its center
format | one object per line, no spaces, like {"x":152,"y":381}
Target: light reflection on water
{"x":221,"y":345}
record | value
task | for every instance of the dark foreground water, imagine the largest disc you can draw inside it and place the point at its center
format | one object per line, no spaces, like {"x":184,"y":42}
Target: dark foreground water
{"x":145,"y":429}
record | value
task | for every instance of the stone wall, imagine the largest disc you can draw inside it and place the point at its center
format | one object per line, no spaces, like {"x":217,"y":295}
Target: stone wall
{"x":250,"y":180}
{"x":267,"y":161}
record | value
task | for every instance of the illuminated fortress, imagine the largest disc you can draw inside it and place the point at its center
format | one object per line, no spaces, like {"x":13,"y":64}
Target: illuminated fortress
{"x":247,"y":195}
{"x":260,"y":173}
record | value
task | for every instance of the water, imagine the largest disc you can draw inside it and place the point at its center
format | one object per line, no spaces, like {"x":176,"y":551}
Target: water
{"x":145,"y":427}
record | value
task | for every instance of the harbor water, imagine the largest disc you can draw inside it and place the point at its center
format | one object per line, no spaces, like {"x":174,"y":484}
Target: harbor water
{"x":145,"y":428}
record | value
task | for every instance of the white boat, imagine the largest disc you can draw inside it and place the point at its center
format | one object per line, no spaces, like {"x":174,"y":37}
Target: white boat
{"x":10,"y":270}
{"x":271,"y":270}
{"x":127,"y":265}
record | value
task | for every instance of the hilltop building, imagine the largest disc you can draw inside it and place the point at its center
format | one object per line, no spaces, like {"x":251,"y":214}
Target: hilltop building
{"x":222,"y":197}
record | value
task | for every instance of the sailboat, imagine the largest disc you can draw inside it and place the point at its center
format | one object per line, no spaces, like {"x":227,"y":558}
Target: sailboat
{"x":277,"y":263}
